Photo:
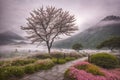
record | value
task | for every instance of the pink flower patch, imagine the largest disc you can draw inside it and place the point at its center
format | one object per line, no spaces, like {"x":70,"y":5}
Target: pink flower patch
{"x":83,"y":75}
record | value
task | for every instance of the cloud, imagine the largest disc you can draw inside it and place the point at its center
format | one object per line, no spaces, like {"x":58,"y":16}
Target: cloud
{"x":13,"y":13}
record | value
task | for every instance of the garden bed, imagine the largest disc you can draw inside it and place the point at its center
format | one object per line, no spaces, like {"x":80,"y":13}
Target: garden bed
{"x":87,"y":71}
{"x":17,"y":68}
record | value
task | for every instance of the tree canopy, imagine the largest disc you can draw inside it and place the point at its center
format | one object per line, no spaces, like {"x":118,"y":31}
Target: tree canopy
{"x":112,"y":43}
{"x":77,"y":46}
{"x":47,"y":24}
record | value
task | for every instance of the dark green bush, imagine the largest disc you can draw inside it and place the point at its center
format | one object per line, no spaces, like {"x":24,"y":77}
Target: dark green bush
{"x":62,"y":61}
{"x":3,"y":76}
{"x":5,"y":63}
{"x":59,"y":61}
{"x":1,"y":63}
{"x":21,"y":62}
{"x":104,"y":60}
{"x":11,"y":72}
{"x":70,"y":58}
{"x":16,"y":71}
{"x":30,"y":68}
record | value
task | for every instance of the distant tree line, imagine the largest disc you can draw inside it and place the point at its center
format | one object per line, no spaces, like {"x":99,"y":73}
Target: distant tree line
{"x":112,"y":43}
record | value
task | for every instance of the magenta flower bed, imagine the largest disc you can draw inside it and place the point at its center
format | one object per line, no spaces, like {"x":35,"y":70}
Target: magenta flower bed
{"x":78,"y":74}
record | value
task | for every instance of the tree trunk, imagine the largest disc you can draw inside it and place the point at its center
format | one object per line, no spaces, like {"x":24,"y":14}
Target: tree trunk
{"x":49,"y":50}
{"x":48,"y":47}
{"x":111,"y":49}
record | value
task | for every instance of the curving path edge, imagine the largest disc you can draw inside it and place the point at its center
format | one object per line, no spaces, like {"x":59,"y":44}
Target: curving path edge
{"x":55,"y":73}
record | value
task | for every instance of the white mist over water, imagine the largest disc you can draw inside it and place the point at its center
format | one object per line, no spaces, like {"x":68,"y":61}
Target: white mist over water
{"x":34,"y":48}
{"x":24,"y":50}
{"x":21,"y":48}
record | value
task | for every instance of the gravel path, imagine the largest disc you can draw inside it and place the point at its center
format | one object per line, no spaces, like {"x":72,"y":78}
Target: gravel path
{"x":55,"y":73}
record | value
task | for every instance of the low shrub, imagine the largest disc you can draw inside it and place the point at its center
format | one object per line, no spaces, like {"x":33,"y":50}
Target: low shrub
{"x":11,"y":72}
{"x":58,"y":57}
{"x":21,"y":62}
{"x":2,"y":63}
{"x":44,"y":64}
{"x":30,"y":68}
{"x":57,"y":54}
{"x":16,"y":62}
{"x":104,"y":60}
{"x":62,"y":61}
{"x":42,"y":56}
{"x":5,"y":63}
{"x":38,"y":65}
{"x":16,"y":71}
{"x":94,"y":70}
{"x":59,"y":61}
{"x":70,"y":58}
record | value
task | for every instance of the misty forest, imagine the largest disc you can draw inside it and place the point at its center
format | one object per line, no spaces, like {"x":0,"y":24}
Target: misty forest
{"x":59,"y":40}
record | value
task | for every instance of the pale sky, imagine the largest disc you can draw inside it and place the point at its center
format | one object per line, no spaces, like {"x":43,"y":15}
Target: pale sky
{"x":13,"y":13}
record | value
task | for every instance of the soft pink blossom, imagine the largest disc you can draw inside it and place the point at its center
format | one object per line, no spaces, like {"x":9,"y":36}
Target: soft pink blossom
{"x":83,"y":75}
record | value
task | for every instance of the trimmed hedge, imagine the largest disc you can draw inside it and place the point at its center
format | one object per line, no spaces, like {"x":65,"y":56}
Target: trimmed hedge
{"x":22,"y":62}
{"x":104,"y":60}
{"x":9,"y":72}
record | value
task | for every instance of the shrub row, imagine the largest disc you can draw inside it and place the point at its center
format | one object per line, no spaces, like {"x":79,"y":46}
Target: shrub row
{"x":6,"y":73}
{"x":58,"y":55}
{"x":62,"y":60}
{"x":16,"y":62}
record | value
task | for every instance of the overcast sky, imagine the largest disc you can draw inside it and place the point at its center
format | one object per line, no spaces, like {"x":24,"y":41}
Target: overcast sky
{"x":13,"y":13}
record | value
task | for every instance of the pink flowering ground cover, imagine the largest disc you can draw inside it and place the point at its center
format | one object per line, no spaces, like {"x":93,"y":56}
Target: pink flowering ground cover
{"x":87,"y":71}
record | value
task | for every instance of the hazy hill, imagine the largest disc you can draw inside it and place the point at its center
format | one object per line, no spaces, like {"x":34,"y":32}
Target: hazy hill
{"x":90,"y":38}
{"x":9,"y":37}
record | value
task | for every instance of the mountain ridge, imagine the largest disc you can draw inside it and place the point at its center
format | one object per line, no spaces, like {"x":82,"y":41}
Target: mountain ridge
{"x":91,"y":37}
{"x":8,"y":37}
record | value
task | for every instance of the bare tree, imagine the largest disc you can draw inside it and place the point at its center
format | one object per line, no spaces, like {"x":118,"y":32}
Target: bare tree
{"x":47,"y":24}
